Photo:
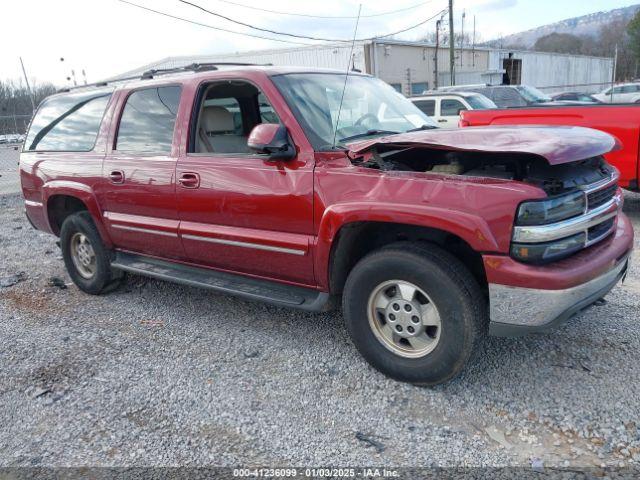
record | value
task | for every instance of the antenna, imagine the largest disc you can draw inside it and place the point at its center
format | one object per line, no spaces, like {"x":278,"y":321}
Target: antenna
{"x":346,"y":77}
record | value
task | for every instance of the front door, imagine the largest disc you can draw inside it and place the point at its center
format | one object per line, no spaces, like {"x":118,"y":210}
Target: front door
{"x":137,"y":192}
{"x":240,"y":211}
{"x":450,"y":109}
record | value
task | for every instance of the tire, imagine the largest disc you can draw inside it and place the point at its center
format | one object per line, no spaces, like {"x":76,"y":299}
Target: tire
{"x":94,"y":277}
{"x":457,"y":327}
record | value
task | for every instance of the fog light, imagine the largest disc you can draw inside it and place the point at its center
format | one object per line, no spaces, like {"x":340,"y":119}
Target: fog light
{"x":549,"y":251}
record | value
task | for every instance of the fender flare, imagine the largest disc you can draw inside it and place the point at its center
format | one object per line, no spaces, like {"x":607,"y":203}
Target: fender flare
{"x":470,"y":228}
{"x":82,"y":192}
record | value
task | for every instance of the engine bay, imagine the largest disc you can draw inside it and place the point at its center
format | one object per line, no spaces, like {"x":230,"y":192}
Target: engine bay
{"x":529,"y":168}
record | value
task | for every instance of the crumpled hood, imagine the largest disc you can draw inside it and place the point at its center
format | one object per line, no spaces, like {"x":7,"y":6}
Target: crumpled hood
{"x":556,"y":144}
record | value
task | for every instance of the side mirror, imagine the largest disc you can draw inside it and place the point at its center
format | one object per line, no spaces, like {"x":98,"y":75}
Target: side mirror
{"x":271,"y":139}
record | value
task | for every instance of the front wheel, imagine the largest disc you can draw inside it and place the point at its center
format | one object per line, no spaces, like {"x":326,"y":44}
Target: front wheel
{"x":414,"y":312}
{"x":86,"y":258}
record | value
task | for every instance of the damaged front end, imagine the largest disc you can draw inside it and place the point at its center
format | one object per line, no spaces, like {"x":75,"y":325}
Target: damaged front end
{"x":582,"y":196}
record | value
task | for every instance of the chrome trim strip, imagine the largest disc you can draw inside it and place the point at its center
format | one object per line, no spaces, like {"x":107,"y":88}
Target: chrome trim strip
{"x":235,"y":243}
{"x":31,"y":203}
{"x":601,"y":237}
{"x":532,"y":307}
{"x":143,"y":230}
{"x":613,"y":178}
{"x":566,"y":228}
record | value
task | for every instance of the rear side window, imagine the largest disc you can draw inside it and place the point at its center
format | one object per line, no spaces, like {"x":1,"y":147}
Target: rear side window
{"x":148,"y":120}
{"x":428,"y":107}
{"x":507,"y":97}
{"x":68,"y":123}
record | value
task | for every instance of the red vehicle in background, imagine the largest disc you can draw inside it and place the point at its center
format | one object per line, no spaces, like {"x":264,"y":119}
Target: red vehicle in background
{"x":621,"y":121}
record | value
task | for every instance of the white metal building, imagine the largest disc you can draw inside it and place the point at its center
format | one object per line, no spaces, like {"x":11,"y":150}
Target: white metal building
{"x":411,"y":66}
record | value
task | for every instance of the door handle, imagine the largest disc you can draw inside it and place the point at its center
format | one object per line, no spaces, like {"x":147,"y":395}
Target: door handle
{"x":189,"y":180}
{"x":116,"y":176}
{"x":442,"y":120}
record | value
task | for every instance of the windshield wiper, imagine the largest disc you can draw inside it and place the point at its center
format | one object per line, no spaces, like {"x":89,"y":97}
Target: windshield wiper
{"x":369,"y":133}
{"x":422,"y":127}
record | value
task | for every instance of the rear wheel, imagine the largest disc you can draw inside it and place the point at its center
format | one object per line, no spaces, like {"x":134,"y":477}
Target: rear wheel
{"x":414,"y":312}
{"x":86,"y":258}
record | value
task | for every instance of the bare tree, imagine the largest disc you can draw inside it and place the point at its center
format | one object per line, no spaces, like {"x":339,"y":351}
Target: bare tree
{"x":15,"y":104}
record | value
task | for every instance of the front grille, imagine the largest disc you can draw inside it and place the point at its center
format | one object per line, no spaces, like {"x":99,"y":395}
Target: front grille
{"x":600,"y":197}
{"x":600,"y":231}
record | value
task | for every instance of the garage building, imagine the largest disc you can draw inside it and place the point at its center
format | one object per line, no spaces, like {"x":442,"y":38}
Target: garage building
{"x":413,"y":67}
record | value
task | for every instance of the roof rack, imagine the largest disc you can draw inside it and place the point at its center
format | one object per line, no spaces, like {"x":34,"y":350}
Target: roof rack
{"x":149,"y":74}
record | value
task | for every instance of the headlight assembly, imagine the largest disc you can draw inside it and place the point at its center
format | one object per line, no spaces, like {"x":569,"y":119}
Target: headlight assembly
{"x":551,"y":210}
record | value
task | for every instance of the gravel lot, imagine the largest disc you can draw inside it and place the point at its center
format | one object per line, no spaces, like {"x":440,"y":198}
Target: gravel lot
{"x":9,"y":178}
{"x":159,"y":374}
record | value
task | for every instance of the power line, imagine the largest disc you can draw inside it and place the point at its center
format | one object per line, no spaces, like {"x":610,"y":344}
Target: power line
{"x":381,"y":14}
{"x":275,"y":32}
{"x":212,"y":27}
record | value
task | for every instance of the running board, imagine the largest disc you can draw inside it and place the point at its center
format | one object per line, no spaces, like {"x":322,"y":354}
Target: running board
{"x":253,"y":289}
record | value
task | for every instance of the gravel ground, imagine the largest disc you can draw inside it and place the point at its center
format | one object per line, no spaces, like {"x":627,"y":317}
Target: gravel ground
{"x":160,"y":374}
{"x":9,"y":178}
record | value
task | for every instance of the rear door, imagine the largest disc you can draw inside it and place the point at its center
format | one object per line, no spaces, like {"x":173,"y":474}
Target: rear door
{"x":137,"y":191}
{"x":240,"y":211}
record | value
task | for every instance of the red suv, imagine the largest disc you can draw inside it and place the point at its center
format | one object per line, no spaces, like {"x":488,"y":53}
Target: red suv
{"x":301,"y":187}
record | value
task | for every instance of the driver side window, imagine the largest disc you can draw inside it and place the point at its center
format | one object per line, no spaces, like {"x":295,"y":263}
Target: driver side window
{"x":228,"y":111}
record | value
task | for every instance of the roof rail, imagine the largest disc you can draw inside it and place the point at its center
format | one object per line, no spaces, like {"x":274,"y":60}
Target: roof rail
{"x":149,"y":74}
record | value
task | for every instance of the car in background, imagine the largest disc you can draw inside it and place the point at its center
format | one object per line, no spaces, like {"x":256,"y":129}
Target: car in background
{"x":445,"y":108}
{"x":512,"y":96}
{"x":575,"y":97}
{"x":505,"y":96}
{"x":11,"y":138}
{"x":627,"y":93}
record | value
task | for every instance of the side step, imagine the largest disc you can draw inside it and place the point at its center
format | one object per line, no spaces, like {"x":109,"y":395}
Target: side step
{"x":262,"y":290}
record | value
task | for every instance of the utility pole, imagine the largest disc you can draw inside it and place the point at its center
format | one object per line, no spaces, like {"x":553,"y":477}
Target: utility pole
{"x":613,"y":75}
{"x":435,"y":60}
{"x":24,"y":72}
{"x":473,"y":48}
{"x":462,"y":40}
{"x":452,"y":46}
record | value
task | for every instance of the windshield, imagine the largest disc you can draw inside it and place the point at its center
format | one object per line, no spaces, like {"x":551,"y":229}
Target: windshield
{"x":532,"y":94}
{"x":369,"y":107}
{"x":480,"y":102}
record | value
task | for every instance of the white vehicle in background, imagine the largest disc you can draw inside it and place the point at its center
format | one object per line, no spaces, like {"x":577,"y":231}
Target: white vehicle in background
{"x":627,"y":93}
{"x":445,"y":107}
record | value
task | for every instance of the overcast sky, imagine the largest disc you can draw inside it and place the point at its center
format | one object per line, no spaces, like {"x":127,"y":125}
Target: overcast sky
{"x":107,"y":37}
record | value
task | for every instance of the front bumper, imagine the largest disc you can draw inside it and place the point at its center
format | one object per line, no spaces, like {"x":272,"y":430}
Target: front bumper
{"x":527,"y":298}
{"x":517,"y":311}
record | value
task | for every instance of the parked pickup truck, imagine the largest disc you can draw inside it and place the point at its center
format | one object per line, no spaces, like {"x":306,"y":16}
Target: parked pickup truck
{"x":284,"y":186}
{"x":621,"y":121}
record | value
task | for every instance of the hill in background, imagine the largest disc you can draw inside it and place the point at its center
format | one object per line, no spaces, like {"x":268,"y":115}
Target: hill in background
{"x":586,"y":26}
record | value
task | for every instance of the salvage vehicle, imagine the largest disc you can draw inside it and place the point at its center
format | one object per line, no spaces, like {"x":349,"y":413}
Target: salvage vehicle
{"x":621,"y":121}
{"x":304,"y":187}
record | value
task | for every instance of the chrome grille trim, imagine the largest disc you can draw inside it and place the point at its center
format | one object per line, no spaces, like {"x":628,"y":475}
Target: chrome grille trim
{"x":566,"y":228}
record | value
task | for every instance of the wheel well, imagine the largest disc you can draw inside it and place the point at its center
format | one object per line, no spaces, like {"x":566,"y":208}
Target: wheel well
{"x":356,"y":240}
{"x":59,"y":207}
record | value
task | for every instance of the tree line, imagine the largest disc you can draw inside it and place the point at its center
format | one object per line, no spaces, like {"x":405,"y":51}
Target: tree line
{"x":16,"y":107}
{"x":623,"y":34}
